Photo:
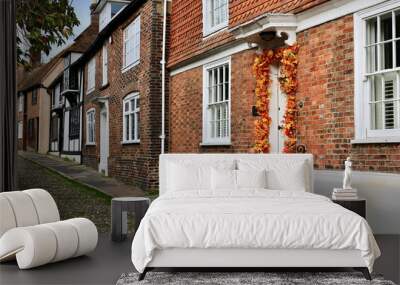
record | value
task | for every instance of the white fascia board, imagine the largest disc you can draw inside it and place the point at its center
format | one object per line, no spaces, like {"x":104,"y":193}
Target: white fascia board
{"x":331,"y":10}
{"x":222,"y":54}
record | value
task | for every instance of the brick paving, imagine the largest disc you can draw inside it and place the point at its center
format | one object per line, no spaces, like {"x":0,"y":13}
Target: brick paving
{"x":73,"y":199}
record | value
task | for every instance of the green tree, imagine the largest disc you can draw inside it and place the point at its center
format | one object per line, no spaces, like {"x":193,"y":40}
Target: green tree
{"x":41,"y":24}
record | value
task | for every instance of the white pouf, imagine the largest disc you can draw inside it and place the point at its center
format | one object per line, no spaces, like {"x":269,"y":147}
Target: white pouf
{"x":31,"y":232}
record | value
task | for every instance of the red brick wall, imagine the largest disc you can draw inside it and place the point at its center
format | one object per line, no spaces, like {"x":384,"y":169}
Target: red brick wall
{"x":186,"y":108}
{"x":133,"y":163}
{"x":187,"y":23}
{"x":326,"y":86}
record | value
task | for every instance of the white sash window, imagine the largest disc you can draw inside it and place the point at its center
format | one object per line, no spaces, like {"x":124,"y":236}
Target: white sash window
{"x":131,"y":118}
{"x":91,"y":126}
{"x":131,"y":48}
{"x":215,"y":15}
{"x":377,"y":73}
{"x":216,"y":103}
{"x":105,"y":64}
{"x":91,"y":75}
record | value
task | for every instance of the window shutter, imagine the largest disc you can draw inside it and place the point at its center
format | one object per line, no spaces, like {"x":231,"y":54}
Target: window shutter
{"x":389,"y":106}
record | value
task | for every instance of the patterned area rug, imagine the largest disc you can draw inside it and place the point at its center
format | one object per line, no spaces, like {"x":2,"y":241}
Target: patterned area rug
{"x":242,"y":278}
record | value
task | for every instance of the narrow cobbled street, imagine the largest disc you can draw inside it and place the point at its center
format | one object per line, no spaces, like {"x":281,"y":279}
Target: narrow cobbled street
{"x":73,"y":199}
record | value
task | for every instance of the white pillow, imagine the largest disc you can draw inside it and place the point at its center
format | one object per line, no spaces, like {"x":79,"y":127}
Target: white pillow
{"x":251,"y":178}
{"x":282,"y":174}
{"x":183,"y":177}
{"x":223,"y":179}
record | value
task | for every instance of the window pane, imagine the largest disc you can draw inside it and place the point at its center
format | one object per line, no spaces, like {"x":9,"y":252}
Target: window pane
{"x":210,"y":98}
{"x":218,"y":118}
{"x":398,"y":53}
{"x":212,"y":116}
{"x":115,"y":7}
{"x":220,"y":83}
{"x":132,"y":102}
{"x":138,"y":125}
{"x":137,"y":102}
{"x":127,"y":106}
{"x":127,"y":126}
{"x":386,"y":27}
{"x":397,"y":17}
{"x":376,"y":88}
{"x":387,"y":55}
{"x":372,"y":59}
{"x":226,"y":82}
{"x":376,"y":116}
{"x":224,"y":10}
{"x":215,"y":91}
{"x":132,"y":122}
{"x":372,"y":27}
{"x":224,"y":117}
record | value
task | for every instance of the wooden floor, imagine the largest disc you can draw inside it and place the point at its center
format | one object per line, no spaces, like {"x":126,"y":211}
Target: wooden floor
{"x":110,"y":260}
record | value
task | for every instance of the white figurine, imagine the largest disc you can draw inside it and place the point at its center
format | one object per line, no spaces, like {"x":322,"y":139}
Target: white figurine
{"x":347,"y":174}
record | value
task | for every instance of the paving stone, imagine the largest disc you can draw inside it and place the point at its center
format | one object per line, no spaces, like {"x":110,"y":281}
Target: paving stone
{"x":73,"y":200}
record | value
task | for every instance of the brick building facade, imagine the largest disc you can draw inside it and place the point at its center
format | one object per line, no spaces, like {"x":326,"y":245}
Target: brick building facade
{"x":123,"y":109}
{"x":33,"y":109}
{"x":330,"y":98}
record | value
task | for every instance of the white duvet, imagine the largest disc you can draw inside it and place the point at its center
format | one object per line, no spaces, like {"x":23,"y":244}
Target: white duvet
{"x":254,"y":218}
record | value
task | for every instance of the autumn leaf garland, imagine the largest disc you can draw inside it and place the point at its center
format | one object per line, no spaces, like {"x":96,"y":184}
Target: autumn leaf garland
{"x":287,"y":57}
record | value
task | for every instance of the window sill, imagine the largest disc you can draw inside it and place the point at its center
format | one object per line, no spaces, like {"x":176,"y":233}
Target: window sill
{"x":90,"y":144}
{"x":126,"y":68}
{"x":215,"y":144}
{"x":376,"y":140}
{"x":130,"y":142}
{"x":211,"y":32}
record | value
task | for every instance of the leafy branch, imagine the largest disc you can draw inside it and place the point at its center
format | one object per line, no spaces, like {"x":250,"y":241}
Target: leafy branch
{"x":42,"y":24}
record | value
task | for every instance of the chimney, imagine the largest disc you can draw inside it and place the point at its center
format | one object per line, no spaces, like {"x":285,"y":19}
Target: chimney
{"x":94,"y":17}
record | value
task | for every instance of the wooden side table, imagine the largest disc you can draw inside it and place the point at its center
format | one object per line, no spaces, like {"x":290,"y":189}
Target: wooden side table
{"x":358,"y":206}
{"x":119,"y":214}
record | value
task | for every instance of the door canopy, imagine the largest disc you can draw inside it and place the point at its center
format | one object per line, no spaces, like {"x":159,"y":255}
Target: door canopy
{"x":268,"y":30}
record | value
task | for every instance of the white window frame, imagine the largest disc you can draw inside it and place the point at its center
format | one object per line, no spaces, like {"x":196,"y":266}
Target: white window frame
{"x":363,"y":131}
{"x":207,"y":28}
{"x":20,"y":129}
{"x":91,"y":75}
{"x":135,"y":38}
{"x":93,"y":122}
{"x":104,"y":16}
{"x":105,"y":64}
{"x":135,"y":122}
{"x":207,"y":139}
{"x":21,"y":103}
{"x":105,"y":13}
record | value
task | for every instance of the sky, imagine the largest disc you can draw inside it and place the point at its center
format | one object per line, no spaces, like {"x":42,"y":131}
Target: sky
{"x":82,"y":11}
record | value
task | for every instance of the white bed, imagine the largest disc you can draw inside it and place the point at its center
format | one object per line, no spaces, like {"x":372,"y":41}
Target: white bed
{"x":203,"y":221}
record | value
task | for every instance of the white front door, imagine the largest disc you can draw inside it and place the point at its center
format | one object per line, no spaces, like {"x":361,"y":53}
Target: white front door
{"x":276,"y":111}
{"x":104,"y":151}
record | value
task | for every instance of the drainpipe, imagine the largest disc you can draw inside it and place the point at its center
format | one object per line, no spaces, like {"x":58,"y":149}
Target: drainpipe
{"x":162,"y":136}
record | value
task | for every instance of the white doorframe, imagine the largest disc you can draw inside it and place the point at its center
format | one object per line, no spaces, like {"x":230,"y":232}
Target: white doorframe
{"x":104,"y":138}
{"x":276,"y":111}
